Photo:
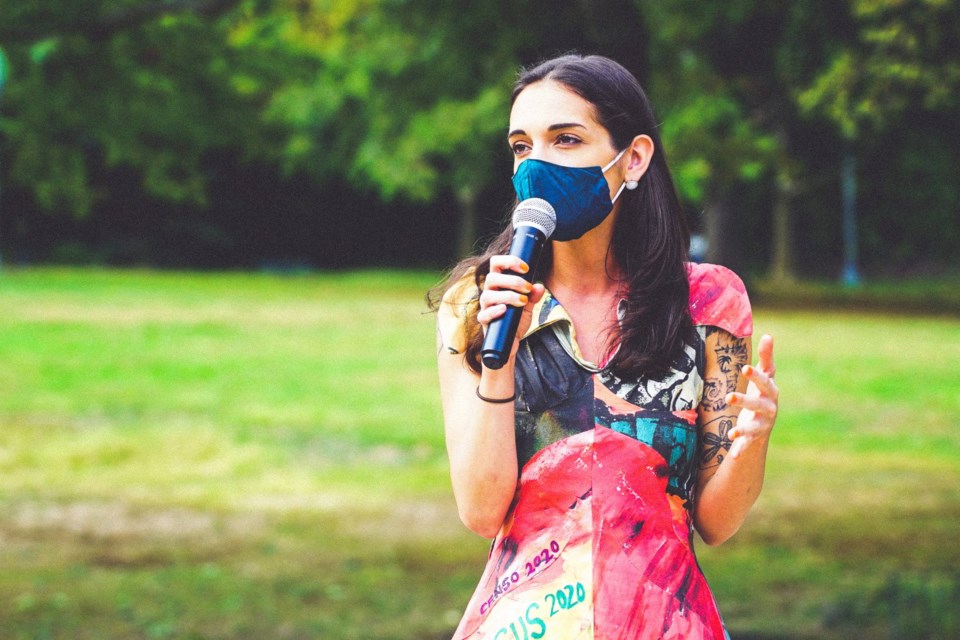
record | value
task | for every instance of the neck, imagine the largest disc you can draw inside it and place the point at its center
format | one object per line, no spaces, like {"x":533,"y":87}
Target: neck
{"x":585,"y":266}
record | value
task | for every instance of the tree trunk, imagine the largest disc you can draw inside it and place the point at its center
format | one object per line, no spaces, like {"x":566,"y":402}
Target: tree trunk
{"x":467,"y":235}
{"x":717,"y":227}
{"x":781,"y":266}
{"x":848,"y":182}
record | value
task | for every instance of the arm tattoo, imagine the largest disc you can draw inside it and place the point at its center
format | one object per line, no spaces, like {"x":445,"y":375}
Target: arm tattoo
{"x":732,"y":353}
{"x":716,"y":445}
{"x":714,"y":394}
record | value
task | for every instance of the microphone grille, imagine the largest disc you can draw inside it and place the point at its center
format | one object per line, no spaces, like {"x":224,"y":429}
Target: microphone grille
{"x":536,"y":212}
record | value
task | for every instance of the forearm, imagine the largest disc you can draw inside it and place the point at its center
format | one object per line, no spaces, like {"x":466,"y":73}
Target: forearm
{"x":481,"y":447}
{"x":481,"y":443}
{"x":725,"y":499}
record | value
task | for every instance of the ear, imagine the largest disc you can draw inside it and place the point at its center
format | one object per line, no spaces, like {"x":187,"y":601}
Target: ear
{"x":640,"y":153}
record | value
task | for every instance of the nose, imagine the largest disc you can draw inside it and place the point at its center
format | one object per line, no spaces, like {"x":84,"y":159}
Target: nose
{"x":537,"y":152}
{"x":541,"y":152}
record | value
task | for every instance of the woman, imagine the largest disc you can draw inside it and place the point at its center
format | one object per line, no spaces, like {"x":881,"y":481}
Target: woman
{"x":627,"y":414}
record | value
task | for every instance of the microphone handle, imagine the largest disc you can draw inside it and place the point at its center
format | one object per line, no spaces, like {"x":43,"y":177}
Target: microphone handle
{"x":498,"y":342}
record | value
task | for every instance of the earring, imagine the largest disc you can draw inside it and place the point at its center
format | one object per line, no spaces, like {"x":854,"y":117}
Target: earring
{"x":632,"y":184}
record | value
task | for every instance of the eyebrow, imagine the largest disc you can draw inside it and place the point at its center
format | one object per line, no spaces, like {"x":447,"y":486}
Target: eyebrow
{"x":553,"y":127}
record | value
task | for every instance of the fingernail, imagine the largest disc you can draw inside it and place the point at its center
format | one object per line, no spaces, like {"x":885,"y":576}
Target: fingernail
{"x":747,"y":370}
{"x":523,"y":267}
{"x":731,"y":399}
{"x":523,"y":299}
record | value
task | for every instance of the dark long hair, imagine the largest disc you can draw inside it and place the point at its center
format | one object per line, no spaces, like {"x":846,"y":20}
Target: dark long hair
{"x":650,"y":237}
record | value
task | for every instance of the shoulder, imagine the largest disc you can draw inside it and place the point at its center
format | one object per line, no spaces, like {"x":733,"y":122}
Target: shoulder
{"x":454,"y":311}
{"x":718,"y":298}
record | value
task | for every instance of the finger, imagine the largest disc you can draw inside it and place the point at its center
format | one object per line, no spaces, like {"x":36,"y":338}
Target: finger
{"x":497,"y":297}
{"x":739,"y":444}
{"x":765,"y":355}
{"x":748,"y":431}
{"x":756,"y":431}
{"x":758,"y":404}
{"x":507,"y":281}
{"x":488,"y":315}
{"x":751,"y":429}
{"x":500,"y":264}
{"x":764,"y":383}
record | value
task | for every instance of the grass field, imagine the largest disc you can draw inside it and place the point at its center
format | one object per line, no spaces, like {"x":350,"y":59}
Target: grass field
{"x":259,"y":456}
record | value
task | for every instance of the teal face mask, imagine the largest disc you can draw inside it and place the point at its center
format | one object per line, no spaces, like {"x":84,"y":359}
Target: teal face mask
{"x":579,"y":195}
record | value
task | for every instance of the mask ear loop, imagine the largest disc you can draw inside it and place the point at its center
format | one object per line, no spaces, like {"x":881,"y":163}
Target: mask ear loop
{"x":619,"y":191}
{"x":614,"y":161}
{"x":622,"y":184}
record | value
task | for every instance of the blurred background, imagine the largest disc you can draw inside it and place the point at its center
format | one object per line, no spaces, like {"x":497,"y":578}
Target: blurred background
{"x":218,"y":218}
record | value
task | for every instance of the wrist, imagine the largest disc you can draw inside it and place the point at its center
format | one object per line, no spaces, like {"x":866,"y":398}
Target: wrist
{"x":507,"y":400}
{"x":497,"y":383}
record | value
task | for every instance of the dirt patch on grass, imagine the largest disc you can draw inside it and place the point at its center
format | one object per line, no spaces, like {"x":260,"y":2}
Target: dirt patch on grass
{"x":111,"y":520}
{"x":409,"y":520}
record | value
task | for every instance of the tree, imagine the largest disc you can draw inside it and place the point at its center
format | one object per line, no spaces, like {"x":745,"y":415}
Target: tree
{"x":409,"y":99}
{"x":730,"y":73}
{"x":408,"y":111}
{"x":403,"y":98}
{"x":151,"y":85}
{"x":3,"y":81}
{"x":900,"y":59}
{"x":748,"y":83}
{"x":900,"y":56}
{"x":429,"y":83}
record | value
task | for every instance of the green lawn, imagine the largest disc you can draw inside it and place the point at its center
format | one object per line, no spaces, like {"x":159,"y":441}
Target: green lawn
{"x":258,"y":456}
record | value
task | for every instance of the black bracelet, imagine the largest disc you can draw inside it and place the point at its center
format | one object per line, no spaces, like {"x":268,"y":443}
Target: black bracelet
{"x":496,"y":400}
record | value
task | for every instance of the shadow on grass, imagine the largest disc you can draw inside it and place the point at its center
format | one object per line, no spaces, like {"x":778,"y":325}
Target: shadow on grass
{"x":906,"y":607}
{"x":109,"y":571}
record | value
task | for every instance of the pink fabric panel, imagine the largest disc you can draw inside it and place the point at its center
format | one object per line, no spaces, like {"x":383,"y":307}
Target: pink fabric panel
{"x":719,"y":299}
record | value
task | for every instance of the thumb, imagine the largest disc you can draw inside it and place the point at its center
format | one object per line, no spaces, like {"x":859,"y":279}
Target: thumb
{"x":536,"y":293}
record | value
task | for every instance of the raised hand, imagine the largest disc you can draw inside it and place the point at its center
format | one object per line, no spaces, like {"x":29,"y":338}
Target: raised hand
{"x":758,"y":406}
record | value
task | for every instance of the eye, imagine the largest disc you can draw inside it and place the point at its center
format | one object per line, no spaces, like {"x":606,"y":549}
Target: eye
{"x":567,"y":139}
{"x":519,"y":148}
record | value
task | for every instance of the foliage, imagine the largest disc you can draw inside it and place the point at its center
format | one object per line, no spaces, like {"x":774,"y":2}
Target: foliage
{"x":426,"y":115}
{"x":112,"y":84}
{"x":716,"y":136}
{"x":902,"y":56}
{"x":747,"y":89}
{"x":887,"y":86}
{"x":362,"y":89}
{"x":407,"y":101}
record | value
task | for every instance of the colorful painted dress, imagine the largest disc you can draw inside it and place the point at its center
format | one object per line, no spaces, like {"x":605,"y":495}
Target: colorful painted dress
{"x":598,"y":541}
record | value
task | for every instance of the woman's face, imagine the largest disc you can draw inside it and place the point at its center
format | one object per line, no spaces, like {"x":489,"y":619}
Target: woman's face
{"x":549,"y":122}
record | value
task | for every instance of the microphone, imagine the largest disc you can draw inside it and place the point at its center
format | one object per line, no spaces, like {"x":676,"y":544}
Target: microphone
{"x":534,"y":220}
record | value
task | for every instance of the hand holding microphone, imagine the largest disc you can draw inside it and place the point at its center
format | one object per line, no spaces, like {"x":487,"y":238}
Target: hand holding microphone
{"x":508,"y":290}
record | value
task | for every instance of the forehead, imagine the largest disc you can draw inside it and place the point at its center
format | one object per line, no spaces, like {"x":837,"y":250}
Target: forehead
{"x":547,"y":102}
